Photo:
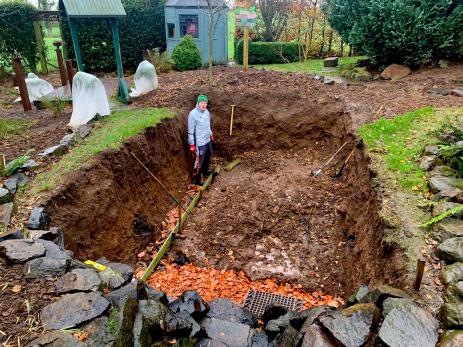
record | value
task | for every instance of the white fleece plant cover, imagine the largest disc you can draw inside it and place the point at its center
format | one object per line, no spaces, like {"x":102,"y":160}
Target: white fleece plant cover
{"x":36,"y":87}
{"x":88,"y":99}
{"x":145,"y":79}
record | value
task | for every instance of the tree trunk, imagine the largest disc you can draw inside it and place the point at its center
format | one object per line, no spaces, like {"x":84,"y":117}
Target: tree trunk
{"x":342,"y":47}
{"x":330,"y":40}
{"x":322,"y":46}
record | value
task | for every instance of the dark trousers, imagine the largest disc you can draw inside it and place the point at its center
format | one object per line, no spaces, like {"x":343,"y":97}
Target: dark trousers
{"x":201,"y":166}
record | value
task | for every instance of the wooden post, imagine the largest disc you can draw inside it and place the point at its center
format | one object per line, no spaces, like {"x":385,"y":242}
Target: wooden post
{"x":419,"y":273}
{"x":2,"y":163}
{"x":70,"y":72}
{"x":59,"y":56}
{"x":123,"y":91}
{"x":246,"y":43}
{"x":231,"y":119}
{"x":18,"y":70}
{"x":40,"y":47}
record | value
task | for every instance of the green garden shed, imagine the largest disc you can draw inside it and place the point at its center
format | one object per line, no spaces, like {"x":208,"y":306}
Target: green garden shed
{"x":190,"y":17}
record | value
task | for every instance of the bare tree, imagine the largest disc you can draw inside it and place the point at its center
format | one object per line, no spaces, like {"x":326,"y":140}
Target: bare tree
{"x":274,"y":15}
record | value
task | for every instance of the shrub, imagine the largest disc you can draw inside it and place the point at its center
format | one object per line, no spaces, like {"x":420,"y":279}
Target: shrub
{"x":142,"y":28}
{"x":17,"y":33}
{"x":161,"y":61}
{"x":186,"y":55}
{"x":14,"y":165}
{"x":269,"y":52}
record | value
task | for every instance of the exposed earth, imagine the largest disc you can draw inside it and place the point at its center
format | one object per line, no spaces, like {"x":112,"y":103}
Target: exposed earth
{"x":268,"y":217}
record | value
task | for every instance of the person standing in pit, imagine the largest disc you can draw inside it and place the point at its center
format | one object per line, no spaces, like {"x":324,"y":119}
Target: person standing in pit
{"x":200,"y":138}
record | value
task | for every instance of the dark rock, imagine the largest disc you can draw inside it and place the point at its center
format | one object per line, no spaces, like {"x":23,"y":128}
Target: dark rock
{"x":55,"y":339}
{"x":84,"y":130}
{"x":330,"y":62}
{"x":5,"y":215}
{"x":276,"y":326}
{"x":457,"y":92}
{"x":195,"y":327}
{"x":20,"y":251}
{"x":452,"y":315}
{"x":391,"y":303}
{"x":273,"y":312}
{"x":5,"y":196}
{"x":54,"y":251}
{"x":231,"y":334}
{"x":451,"y":250}
{"x":83,"y":280}
{"x":302,"y":320}
{"x":451,"y":338}
{"x":44,"y":267}
{"x":328,"y":81}
{"x":454,"y":292}
{"x":15,"y":181}
{"x":381,"y":292}
{"x":17,"y":235}
{"x":409,"y":326}
{"x":316,"y":337}
{"x":191,"y":302}
{"x":447,"y":138}
{"x":226,"y":309}
{"x":121,"y":322}
{"x":54,"y":151}
{"x":68,"y":140}
{"x":117,"y":297}
{"x":210,"y":343}
{"x":428,"y":162}
{"x":444,"y":207}
{"x":99,"y":333}
{"x":150,"y":323}
{"x":125,"y":270}
{"x":289,"y":338}
{"x":431,"y":150}
{"x":54,"y":234}
{"x":395,"y":72}
{"x":38,"y":219}
{"x":111,"y":278}
{"x":73,"y":309}
{"x":30,"y":165}
{"x":358,"y":295}
{"x":439,"y":91}
{"x":452,"y":273}
{"x":259,"y":340}
{"x":154,"y":294}
{"x":443,"y":181}
{"x":352,"y":326}
{"x":447,"y":229}
{"x":178,"y":325}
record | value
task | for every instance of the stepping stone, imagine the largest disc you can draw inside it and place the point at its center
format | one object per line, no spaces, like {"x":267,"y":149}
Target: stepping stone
{"x":6,"y":210}
{"x":13,"y":182}
{"x":20,"y":251}
{"x":452,"y":315}
{"x":230,"y":334}
{"x":30,"y":165}
{"x":447,"y":229}
{"x":54,"y":251}
{"x":451,"y":250}
{"x":54,"y":151}
{"x":38,"y":219}
{"x":73,"y":309}
{"x":83,"y":280}
{"x":68,"y":140}
{"x":409,"y":326}
{"x":452,"y":273}
{"x":45,"y":267}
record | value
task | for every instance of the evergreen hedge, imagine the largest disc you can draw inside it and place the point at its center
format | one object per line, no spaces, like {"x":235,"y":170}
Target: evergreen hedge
{"x":142,"y":28}
{"x":268,"y":52}
{"x":17,"y":33}
{"x":186,"y":55}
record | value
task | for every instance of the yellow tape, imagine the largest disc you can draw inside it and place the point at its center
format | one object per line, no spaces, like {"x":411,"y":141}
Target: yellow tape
{"x":97,"y":266}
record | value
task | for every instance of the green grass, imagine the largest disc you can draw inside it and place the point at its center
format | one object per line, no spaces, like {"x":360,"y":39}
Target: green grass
{"x":400,"y":141}
{"x":11,"y":127}
{"x":110,"y":132}
{"x":313,"y":66}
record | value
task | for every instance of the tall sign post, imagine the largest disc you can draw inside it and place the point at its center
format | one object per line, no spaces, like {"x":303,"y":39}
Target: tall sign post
{"x":246,"y":17}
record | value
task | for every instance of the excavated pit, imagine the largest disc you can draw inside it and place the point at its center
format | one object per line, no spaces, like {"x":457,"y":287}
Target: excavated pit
{"x":268,"y":217}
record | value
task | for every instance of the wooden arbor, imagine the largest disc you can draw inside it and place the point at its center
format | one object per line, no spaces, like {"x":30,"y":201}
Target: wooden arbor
{"x":110,"y":10}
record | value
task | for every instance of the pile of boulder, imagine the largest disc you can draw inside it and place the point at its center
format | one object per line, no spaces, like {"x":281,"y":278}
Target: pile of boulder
{"x":108,"y":307}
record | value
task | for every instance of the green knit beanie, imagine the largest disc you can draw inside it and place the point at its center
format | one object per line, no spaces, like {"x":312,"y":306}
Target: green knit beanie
{"x":202,"y":98}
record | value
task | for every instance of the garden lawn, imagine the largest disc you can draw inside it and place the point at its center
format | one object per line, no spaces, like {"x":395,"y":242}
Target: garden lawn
{"x":313,"y":66}
{"x":109,"y":132}
{"x":10,"y":127}
{"x":400,"y":142}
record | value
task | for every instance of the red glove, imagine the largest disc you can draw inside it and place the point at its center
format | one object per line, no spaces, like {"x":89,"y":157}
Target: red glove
{"x":212,"y":138}
{"x":193,"y":148}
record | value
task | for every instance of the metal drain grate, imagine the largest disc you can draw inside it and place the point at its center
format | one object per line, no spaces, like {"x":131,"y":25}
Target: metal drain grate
{"x":257,"y":301}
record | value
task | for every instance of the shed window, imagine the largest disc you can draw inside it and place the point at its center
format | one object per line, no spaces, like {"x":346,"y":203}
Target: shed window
{"x":189,"y":25}
{"x":171,"y":30}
